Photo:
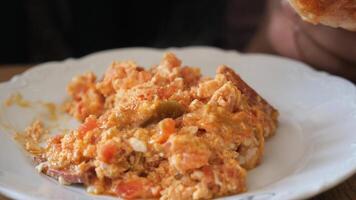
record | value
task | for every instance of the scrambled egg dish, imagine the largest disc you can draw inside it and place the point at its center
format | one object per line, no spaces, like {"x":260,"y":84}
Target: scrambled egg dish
{"x":166,"y":132}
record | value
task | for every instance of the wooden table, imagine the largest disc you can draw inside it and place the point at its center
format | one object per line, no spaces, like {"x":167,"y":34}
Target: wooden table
{"x":344,"y":191}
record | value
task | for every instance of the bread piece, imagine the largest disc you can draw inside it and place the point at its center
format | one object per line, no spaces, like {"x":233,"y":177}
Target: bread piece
{"x":334,"y":13}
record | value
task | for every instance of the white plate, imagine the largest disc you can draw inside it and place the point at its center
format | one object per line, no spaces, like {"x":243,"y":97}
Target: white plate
{"x":313,"y":150}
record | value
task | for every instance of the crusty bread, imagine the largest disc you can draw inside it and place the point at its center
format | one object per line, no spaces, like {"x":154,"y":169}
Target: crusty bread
{"x":334,"y":13}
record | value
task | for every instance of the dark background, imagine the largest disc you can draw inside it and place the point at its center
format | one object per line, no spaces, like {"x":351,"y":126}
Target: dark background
{"x":34,"y":31}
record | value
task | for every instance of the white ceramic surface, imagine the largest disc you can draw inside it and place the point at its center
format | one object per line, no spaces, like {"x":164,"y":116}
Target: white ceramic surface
{"x":313,"y":150}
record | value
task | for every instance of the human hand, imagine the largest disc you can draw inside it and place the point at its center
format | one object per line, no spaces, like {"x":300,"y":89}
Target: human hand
{"x":325,"y":48}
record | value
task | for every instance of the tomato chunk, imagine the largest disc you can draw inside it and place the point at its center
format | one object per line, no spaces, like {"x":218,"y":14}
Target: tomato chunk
{"x":89,"y":124}
{"x":208,"y":174}
{"x":108,"y":152}
{"x":130,"y":189}
{"x":167,"y":128}
{"x":134,"y":189}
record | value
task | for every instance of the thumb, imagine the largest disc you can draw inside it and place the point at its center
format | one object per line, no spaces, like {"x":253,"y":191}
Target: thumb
{"x":288,"y":10}
{"x":282,"y":28}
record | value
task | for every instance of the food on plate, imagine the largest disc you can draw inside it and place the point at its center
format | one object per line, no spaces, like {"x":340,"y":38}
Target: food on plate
{"x":335,"y":13}
{"x":165,"y":132}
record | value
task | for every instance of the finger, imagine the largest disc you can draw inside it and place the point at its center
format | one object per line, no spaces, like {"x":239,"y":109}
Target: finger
{"x":281,"y":32}
{"x":317,"y":56}
{"x":337,"y":41}
{"x":289,"y":11}
{"x":340,"y":42}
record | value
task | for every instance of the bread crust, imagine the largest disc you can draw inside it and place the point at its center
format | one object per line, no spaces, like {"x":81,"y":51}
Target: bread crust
{"x":334,"y":13}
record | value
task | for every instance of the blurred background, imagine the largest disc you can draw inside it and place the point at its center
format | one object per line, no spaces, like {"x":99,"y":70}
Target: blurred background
{"x":35,"y":31}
